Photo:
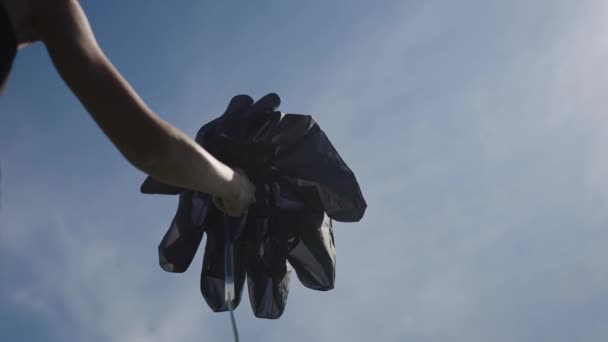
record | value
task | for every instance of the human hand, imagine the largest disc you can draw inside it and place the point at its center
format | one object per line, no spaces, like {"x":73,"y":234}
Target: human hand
{"x":238,"y":198}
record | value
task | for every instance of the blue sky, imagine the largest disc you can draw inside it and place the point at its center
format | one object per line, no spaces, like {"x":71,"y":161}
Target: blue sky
{"x":477,"y":130}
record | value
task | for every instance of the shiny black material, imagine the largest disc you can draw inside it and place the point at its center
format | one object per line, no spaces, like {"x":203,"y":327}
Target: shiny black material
{"x":8,"y":46}
{"x":302,"y":185}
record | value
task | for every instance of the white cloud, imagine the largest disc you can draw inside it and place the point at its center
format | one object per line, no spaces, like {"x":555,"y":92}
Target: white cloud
{"x":485,"y":224}
{"x":98,"y":290}
{"x":481,"y":210}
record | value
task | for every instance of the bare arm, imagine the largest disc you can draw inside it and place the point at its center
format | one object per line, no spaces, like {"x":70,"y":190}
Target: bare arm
{"x":146,"y":141}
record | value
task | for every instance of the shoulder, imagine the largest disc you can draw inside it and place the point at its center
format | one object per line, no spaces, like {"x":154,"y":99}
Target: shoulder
{"x":17,"y":10}
{"x":27,"y":15}
{"x":25,"y":9}
{"x":58,"y":20}
{"x":46,"y":4}
{"x":50,"y":11}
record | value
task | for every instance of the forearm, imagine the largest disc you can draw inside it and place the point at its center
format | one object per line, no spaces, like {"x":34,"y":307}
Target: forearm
{"x":182,"y":162}
{"x":146,"y":141}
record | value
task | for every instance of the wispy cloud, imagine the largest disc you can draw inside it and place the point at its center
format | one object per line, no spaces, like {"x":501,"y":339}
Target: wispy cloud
{"x":477,"y":132}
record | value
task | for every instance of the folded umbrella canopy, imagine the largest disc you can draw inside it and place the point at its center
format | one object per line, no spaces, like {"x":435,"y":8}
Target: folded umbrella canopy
{"x":302,"y":184}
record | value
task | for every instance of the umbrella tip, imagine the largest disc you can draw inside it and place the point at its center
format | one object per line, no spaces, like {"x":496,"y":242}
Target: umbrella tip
{"x":239,"y":103}
{"x":268,"y":103}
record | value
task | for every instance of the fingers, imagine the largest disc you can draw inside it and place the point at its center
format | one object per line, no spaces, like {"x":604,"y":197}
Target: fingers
{"x":242,"y":200}
{"x":219,"y":203}
{"x":228,"y":208}
{"x":248,"y":188}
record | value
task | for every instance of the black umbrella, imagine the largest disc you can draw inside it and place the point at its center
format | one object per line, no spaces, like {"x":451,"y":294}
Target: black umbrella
{"x":302,"y":184}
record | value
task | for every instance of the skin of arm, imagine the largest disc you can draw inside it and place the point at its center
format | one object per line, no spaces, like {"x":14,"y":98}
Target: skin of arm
{"x":148,"y":142}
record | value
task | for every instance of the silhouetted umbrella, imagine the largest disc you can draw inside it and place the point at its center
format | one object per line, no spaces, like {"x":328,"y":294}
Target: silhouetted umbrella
{"x":302,"y":184}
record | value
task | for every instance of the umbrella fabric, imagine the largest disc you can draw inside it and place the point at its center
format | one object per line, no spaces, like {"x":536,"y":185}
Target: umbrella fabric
{"x":302,"y":184}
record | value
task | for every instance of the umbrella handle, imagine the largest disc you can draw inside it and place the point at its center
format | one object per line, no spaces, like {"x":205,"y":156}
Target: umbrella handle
{"x":231,"y":232}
